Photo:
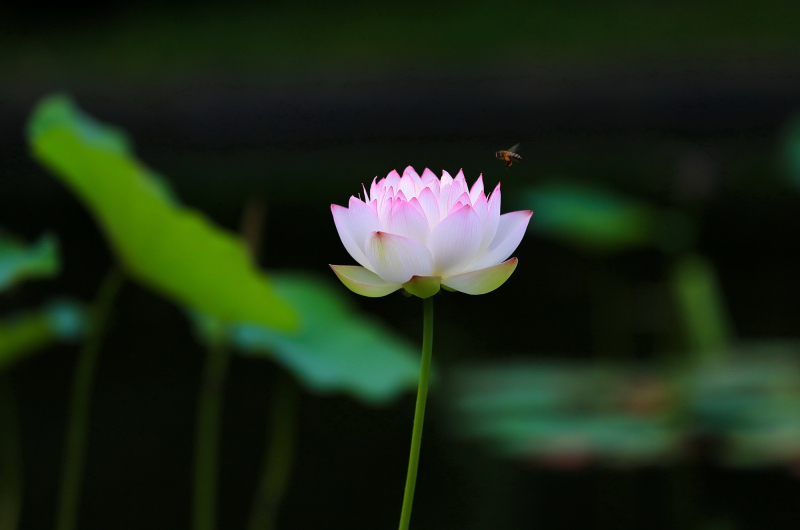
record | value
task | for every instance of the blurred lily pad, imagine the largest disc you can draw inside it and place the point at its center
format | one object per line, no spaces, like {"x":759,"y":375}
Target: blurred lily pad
{"x":566,"y":413}
{"x":598,"y":220}
{"x":791,"y":150}
{"x":26,"y":333}
{"x":174,"y":250}
{"x":336,"y":348}
{"x":19,"y":262}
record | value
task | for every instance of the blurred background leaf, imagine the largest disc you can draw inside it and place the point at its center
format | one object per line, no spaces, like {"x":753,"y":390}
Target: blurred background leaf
{"x":337,"y":348}
{"x":595,"y":219}
{"x":26,"y":333}
{"x":174,"y":250}
{"x":19,"y":262}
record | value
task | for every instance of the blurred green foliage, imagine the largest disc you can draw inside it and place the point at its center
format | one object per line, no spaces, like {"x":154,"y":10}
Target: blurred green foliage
{"x":747,"y":400}
{"x":594,"y":219}
{"x":567,"y":413}
{"x":26,"y":333}
{"x":19,"y":262}
{"x":174,"y":250}
{"x":336,"y":349}
{"x":791,"y":151}
{"x":702,"y":307}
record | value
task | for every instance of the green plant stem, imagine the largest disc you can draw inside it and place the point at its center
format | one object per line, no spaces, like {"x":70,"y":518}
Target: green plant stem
{"x":82,"y":384}
{"x":419,"y":414}
{"x":279,"y":455}
{"x":10,"y":458}
{"x":209,"y":428}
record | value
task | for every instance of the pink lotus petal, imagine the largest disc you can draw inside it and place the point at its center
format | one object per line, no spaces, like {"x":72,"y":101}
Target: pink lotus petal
{"x":396,"y":259}
{"x":446,"y":178}
{"x":407,"y":186}
{"x":392,"y":179}
{"x":463,"y":199}
{"x":384,"y":210}
{"x":341,"y":218}
{"x":455,"y":208}
{"x":481,"y":206}
{"x":361,"y":221}
{"x":457,"y":190}
{"x":491,"y":221}
{"x":430,"y":206}
{"x":482,"y":281}
{"x":427,"y":176}
{"x":364,"y":282}
{"x":374,"y":192}
{"x":408,"y":222}
{"x":412,"y":174}
{"x":454,"y":241}
{"x":444,"y":195}
{"x":510,"y":230}
{"x":476,"y":190}
{"x":435,"y":186}
{"x":418,"y":207}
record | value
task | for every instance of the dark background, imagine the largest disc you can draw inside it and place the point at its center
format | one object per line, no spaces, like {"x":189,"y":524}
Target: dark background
{"x":299,"y":103}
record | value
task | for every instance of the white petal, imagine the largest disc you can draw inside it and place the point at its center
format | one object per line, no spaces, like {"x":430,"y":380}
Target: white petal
{"x":509,"y":233}
{"x":446,"y":178}
{"x":407,"y":186}
{"x":427,"y":176}
{"x":396,"y":259}
{"x":384,"y":210}
{"x":458,"y":189}
{"x":455,"y":241}
{"x":341,"y":217}
{"x":491,"y":221}
{"x":435,"y":186}
{"x":444,"y":195}
{"x":408,"y":222}
{"x":481,"y":207}
{"x":476,"y":190}
{"x":411,"y":173}
{"x":418,"y":207}
{"x":430,"y":206}
{"x":463,"y":200}
{"x":375,"y":189}
{"x":393,"y":179}
{"x":361,"y":221}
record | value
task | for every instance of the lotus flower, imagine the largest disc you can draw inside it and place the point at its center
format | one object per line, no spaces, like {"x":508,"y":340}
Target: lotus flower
{"x":421,"y":232}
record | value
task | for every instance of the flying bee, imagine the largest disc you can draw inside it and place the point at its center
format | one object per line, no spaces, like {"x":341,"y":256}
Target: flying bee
{"x":508,"y":155}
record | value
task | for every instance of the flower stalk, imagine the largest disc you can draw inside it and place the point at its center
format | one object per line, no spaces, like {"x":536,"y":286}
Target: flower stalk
{"x":10,"y":458}
{"x":82,"y":384}
{"x":279,"y":455}
{"x":208,"y":434}
{"x":419,"y":413}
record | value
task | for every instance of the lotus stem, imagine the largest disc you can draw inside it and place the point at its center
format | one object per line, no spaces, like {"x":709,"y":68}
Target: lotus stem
{"x":208,"y":434}
{"x":10,"y":458}
{"x":82,"y":384}
{"x":279,"y":455}
{"x":419,"y":414}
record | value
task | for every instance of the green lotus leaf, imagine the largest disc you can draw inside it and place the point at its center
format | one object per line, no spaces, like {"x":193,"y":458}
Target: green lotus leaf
{"x":19,"y":262}
{"x":336,"y":348}
{"x":174,"y":250}
{"x":26,"y":333}
{"x":591,"y":218}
